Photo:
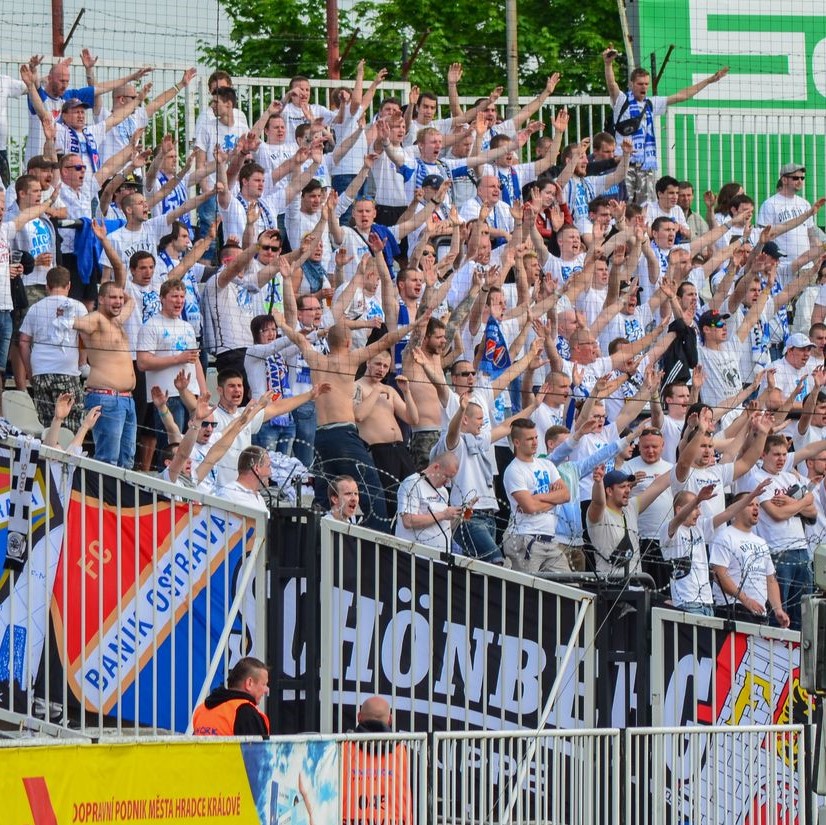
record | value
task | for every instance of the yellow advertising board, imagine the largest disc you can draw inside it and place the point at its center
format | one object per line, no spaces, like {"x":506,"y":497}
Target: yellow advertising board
{"x":205,"y":782}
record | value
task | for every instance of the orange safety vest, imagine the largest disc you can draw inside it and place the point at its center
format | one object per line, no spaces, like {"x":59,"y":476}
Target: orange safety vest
{"x":220,"y":720}
{"x":375,"y":784}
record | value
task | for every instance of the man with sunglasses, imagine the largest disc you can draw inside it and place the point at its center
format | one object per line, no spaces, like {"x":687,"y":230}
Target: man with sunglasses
{"x":137,"y":119}
{"x":785,"y":204}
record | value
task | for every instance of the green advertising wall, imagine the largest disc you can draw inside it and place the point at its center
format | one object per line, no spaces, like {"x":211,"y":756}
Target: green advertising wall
{"x":771,"y":109}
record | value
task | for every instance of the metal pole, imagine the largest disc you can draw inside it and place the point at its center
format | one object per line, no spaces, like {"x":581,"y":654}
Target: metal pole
{"x":333,"y":62}
{"x":57,"y":28}
{"x":512,"y":57}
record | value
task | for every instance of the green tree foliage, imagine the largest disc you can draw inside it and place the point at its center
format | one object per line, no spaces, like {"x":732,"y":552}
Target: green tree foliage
{"x":288,"y":37}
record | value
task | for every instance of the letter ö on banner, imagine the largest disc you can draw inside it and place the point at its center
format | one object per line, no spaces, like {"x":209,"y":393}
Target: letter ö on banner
{"x":404,"y":622}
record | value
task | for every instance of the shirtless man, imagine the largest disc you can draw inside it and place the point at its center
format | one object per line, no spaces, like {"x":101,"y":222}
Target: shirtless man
{"x":428,"y":429}
{"x":376,"y":407}
{"x":112,"y":377}
{"x":339,"y":450}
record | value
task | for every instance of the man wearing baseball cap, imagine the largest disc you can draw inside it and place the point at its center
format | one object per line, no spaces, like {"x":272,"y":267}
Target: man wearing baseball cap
{"x":794,"y":367}
{"x":720,"y":357}
{"x":612,"y":518}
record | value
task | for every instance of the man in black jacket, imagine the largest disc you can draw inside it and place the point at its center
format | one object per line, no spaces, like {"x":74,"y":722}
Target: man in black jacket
{"x":233,"y":710}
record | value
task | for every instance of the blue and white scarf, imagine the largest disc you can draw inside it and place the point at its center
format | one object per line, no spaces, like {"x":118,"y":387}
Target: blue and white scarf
{"x":643,"y":140}
{"x":510,"y":186}
{"x":91,"y":146}
{"x":270,"y":222}
{"x":278,"y":383}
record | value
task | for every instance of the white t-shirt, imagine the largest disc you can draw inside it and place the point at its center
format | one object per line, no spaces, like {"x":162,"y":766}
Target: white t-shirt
{"x":271,"y":156}
{"x":417,"y":496}
{"x":164,"y":336}
{"x":6,"y":235}
{"x":722,"y":372}
{"x":54,"y":342}
{"x":779,"y":209}
{"x":215,"y":133}
{"x":129,"y":241}
{"x":654,"y":211}
{"x":689,"y":542}
{"x":227,"y":468}
{"x":720,"y":475}
{"x":660,"y":509}
{"x":786,"y":377}
{"x":233,"y":491}
{"x":561,"y":270}
{"x":535,"y":477}
{"x":471,"y":481}
{"x":607,"y":534}
{"x":293,"y":116}
{"x":672,"y":430}
{"x":9,"y":87}
{"x":545,"y":417}
{"x":787,"y":534}
{"x":747,"y":560}
{"x":587,"y":446}
{"x":119,"y":136}
{"x":228,"y":312}
{"x":36,"y":237}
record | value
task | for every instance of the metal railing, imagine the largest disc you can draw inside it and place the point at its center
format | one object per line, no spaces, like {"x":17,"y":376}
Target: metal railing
{"x":710,"y":775}
{"x":713,"y":672}
{"x":452,"y":642}
{"x":135,"y":597}
{"x":526,"y":777}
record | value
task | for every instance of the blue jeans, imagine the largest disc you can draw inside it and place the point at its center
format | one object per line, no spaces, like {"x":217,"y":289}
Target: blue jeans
{"x":276,"y":437}
{"x":207,"y":213}
{"x":477,"y":537}
{"x":304,"y":444}
{"x":794,"y":576}
{"x":116,"y":429}
{"x":340,"y":451}
{"x":5,"y":340}
{"x":698,"y":608}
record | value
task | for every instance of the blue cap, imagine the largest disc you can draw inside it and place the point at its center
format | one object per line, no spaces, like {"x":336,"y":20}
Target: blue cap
{"x":616,"y":477}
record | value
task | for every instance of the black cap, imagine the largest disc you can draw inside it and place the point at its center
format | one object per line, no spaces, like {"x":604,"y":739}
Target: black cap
{"x":710,"y":316}
{"x":433,"y":181}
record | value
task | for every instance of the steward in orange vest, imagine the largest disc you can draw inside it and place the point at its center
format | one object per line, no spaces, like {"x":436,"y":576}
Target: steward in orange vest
{"x":375,"y":775}
{"x":233,"y":710}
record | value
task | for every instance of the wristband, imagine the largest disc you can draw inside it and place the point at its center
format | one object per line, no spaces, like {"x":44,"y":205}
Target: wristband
{"x":164,"y":412}
{"x":438,"y":203}
{"x":177,"y":87}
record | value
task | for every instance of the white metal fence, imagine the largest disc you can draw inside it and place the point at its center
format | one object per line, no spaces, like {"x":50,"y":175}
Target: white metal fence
{"x":135,"y":596}
{"x":657,"y":776}
{"x":708,"y":776}
{"x":453,"y":643}
{"x":521,"y":776}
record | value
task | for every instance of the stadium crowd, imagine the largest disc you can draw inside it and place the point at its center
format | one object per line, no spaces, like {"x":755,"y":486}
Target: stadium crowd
{"x":567,"y":363}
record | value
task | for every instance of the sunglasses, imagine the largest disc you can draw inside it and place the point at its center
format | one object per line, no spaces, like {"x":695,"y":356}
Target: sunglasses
{"x":717,"y":324}
{"x":465,"y":373}
{"x":265,"y":248}
{"x":428,"y":252}
{"x":78,"y":167}
{"x":797,"y":177}
{"x":206,"y":424}
{"x":651,"y":431}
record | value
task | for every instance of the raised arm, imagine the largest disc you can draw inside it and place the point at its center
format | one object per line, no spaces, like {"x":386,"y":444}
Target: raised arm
{"x":690,"y":91}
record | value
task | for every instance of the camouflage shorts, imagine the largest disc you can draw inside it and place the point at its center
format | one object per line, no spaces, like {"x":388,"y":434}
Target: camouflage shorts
{"x":45,"y":391}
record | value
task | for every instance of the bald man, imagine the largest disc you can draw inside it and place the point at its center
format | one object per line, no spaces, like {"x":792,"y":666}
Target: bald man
{"x":376,"y":777}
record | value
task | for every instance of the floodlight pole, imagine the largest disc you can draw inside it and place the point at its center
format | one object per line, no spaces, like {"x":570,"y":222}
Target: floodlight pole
{"x":333,"y":60}
{"x":512,"y":57}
